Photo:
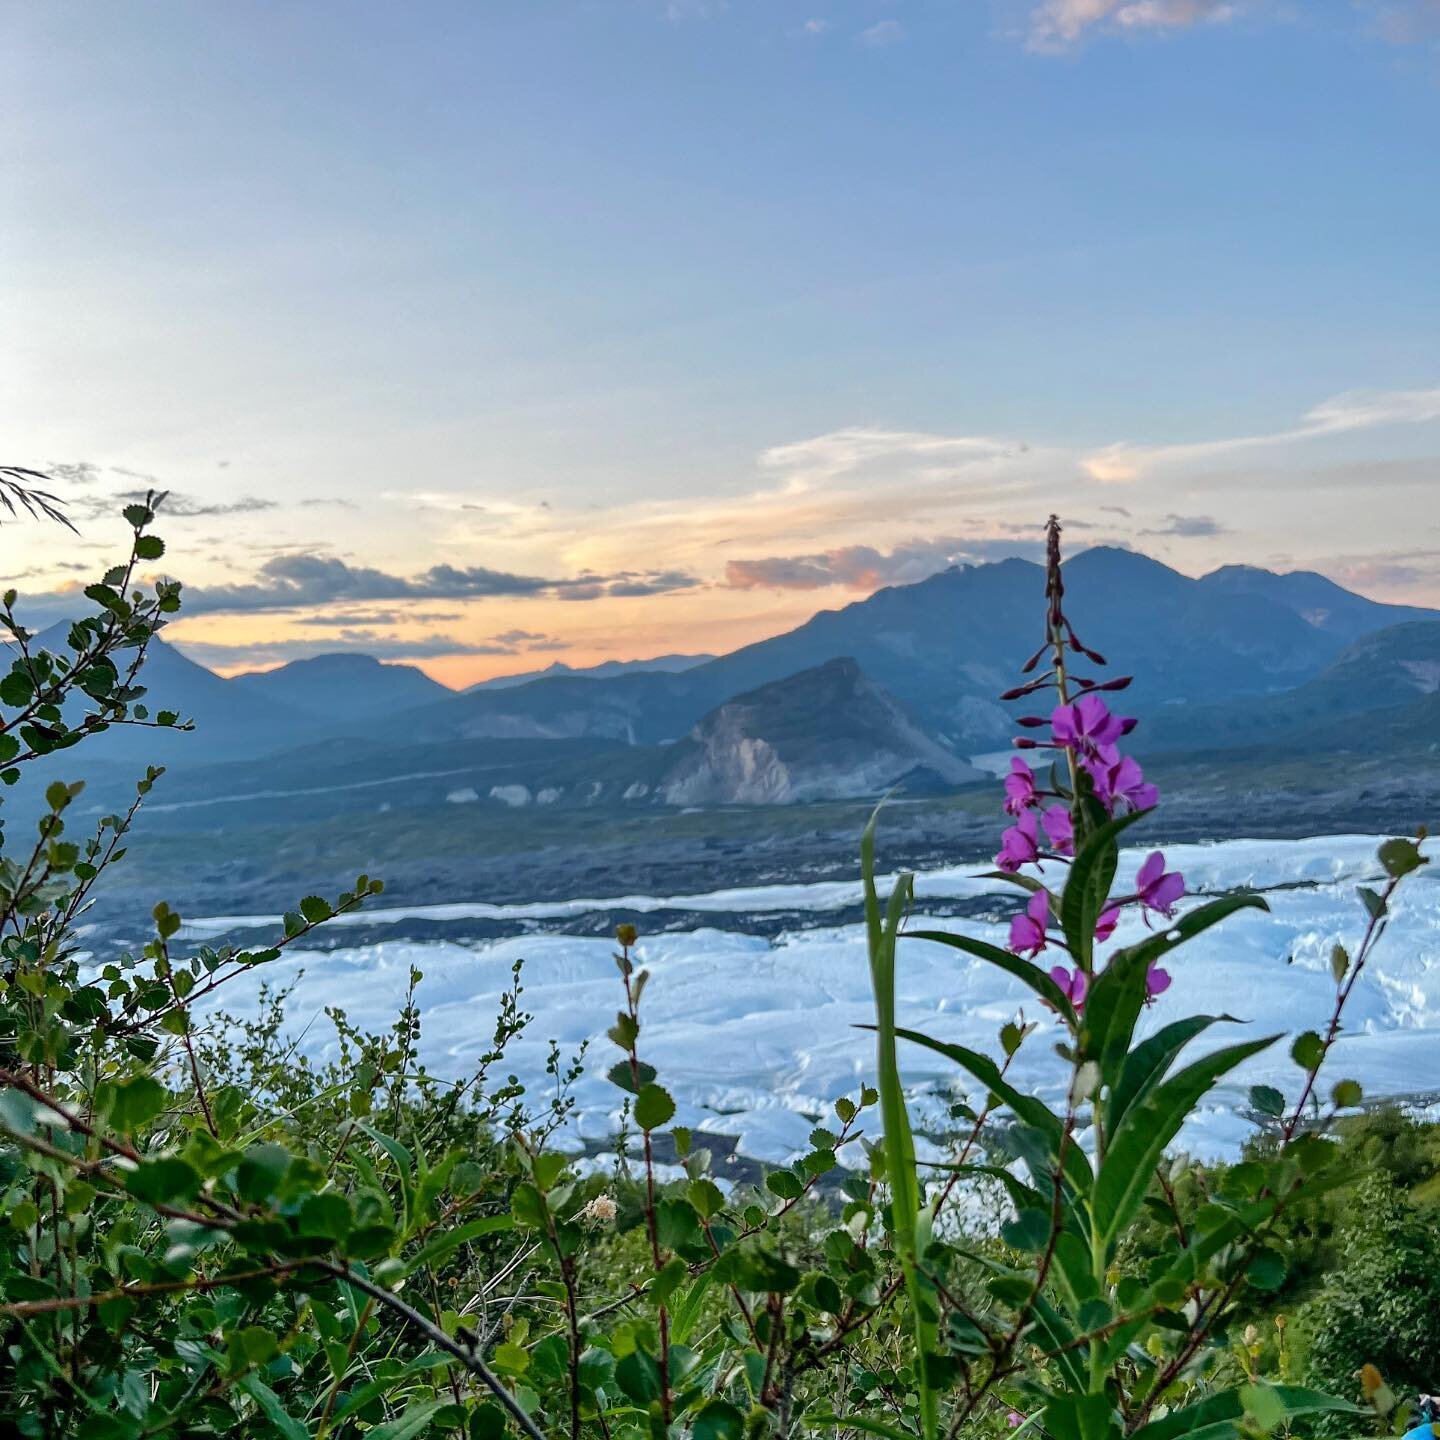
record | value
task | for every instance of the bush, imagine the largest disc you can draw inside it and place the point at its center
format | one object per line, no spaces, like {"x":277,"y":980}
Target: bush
{"x":1381,"y":1306}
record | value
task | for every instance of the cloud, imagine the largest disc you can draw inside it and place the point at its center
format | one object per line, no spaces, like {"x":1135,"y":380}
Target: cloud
{"x":343,"y":642}
{"x":518,"y":637}
{"x":1189,"y":527}
{"x":1384,"y":571}
{"x":814,"y":27}
{"x":861,"y":567}
{"x":660,"y":584}
{"x":294,"y":581}
{"x":175,"y":505}
{"x":1341,"y":414}
{"x":882,"y":33}
{"x":1407,"y":22}
{"x":1057,"y":24}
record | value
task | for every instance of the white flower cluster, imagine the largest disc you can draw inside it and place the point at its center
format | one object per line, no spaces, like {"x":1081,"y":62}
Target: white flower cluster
{"x":600,"y":1211}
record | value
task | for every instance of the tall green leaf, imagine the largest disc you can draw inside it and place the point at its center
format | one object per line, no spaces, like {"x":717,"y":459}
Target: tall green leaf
{"x":1148,"y":1128}
{"x":1025,"y":971}
{"x":1088,"y":886}
{"x":882,"y":930}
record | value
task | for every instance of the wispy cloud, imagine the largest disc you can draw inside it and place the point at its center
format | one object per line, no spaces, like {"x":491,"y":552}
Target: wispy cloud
{"x":228,"y":656}
{"x":1353,"y":410}
{"x":882,"y":33}
{"x":295,"y":581}
{"x":863,"y":568}
{"x":1058,"y":24}
{"x":1188,"y":527}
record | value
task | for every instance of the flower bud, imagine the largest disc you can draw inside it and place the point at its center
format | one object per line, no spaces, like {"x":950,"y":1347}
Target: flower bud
{"x":626,"y":935}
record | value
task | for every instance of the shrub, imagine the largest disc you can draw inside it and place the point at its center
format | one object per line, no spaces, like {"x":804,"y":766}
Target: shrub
{"x":1381,"y":1306}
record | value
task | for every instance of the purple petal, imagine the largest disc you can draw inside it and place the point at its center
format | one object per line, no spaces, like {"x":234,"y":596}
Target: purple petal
{"x":1150,"y":870}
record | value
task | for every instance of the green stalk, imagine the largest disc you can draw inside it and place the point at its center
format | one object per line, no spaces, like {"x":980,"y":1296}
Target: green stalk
{"x":882,"y":931}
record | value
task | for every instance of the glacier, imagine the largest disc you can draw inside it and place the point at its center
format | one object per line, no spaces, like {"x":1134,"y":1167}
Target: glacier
{"x":757,"y":1036}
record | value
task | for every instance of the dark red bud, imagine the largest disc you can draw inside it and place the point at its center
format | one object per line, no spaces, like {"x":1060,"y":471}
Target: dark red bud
{"x":1127,"y":724}
{"x":1022,"y":690}
{"x":1121,"y":682}
{"x":1021,"y":743}
{"x":1033,"y":661}
{"x":1032,"y":722}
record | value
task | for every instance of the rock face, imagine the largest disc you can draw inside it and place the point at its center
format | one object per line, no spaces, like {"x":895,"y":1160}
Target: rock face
{"x":824,"y":734}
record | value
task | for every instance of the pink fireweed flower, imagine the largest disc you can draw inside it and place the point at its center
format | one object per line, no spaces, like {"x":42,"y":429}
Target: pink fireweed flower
{"x":1019,"y":787}
{"x":1074,"y":983}
{"x":1157,"y":982}
{"x":1020,"y":844}
{"x":1158,"y":888}
{"x":1106,"y":922}
{"x":1119,"y":777}
{"x":1059,"y":829}
{"x":1014,"y":1419}
{"x":1027,"y":929}
{"x":1087,"y":724}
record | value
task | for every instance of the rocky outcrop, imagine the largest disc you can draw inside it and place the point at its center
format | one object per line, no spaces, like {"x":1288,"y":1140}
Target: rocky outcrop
{"x":827,"y":733}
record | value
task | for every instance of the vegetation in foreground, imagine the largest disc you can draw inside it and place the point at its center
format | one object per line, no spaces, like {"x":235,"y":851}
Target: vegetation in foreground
{"x":208,"y":1235}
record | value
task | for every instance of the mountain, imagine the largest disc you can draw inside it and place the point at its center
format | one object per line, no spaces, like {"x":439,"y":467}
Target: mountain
{"x":230,"y":721}
{"x":606,"y":669}
{"x":946,"y":647}
{"x":343,"y":687}
{"x":1385,"y":672}
{"x":1319,"y":601}
{"x":824,"y":734}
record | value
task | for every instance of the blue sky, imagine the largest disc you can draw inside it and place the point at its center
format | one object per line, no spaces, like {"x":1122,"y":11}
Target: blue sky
{"x":709,"y":314}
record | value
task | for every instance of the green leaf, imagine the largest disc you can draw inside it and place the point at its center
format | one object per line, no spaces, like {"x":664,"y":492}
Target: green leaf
{"x":136,"y":1103}
{"x":1266,"y":1270}
{"x":275,"y":1412}
{"x":1087,"y":887}
{"x":1025,"y":971}
{"x":1267,"y":1100}
{"x":1373,"y":902}
{"x":166,"y":1181}
{"x":1347,"y":1094}
{"x":149,"y":547}
{"x":453,"y":1238}
{"x":638,"y":1376}
{"x":411,"y":1423}
{"x":1149,"y":1062}
{"x":784,"y":1184}
{"x":1400,"y":857}
{"x":1117,"y":997}
{"x":623,"y":1075}
{"x":1308,"y":1051}
{"x":325,"y":1216}
{"x":653,"y":1107}
{"x":315,"y":909}
{"x":1029,"y":1230}
{"x":1137,"y":1145}
{"x":717,"y":1420}
{"x":1215,"y":1416}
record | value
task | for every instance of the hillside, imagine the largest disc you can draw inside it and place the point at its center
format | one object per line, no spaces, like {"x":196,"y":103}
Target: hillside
{"x":825,"y":734}
{"x":343,"y":687}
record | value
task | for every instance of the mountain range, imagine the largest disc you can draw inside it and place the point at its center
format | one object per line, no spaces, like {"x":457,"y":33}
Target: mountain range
{"x":900,"y":684}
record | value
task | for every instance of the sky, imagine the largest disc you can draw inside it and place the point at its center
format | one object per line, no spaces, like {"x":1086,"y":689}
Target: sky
{"x":485,"y":335}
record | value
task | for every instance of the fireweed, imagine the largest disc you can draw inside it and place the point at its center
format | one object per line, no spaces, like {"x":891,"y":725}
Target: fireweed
{"x":1090,"y":782}
{"x":1060,"y":1336}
